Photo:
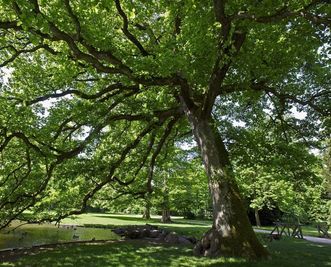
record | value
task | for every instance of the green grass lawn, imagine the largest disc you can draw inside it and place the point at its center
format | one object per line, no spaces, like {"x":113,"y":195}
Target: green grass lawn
{"x":187,"y":227}
{"x":286,"y":252}
{"x":35,"y":234}
{"x":290,"y":252}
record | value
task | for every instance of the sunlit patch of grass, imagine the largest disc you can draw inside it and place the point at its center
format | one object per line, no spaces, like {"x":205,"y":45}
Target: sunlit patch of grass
{"x":287,"y":252}
{"x":135,"y":253}
{"x":186,"y":227}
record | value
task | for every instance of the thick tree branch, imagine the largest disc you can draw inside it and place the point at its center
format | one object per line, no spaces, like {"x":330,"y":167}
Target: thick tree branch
{"x":219,"y":10}
{"x":126,"y":31}
{"x":58,"y":35}
{"x":78,"y":54}
{"x":6,"y":25}
{"x":95,"y":56}
{"x":82,"y":95}
{"x":186,"y":94}
{"x":24,"y":51}
{"x":303,"y":102}
{"x":229,"y":46}
{"x":148,"y":30}
{"x":220,"y":70}
{"x":263,"y":87}
{"x":26,"y":201}
{"x":24,"y":138}
{"x":110,"y":177}
{"x":284,"y":13}
{"x":74,"y":18}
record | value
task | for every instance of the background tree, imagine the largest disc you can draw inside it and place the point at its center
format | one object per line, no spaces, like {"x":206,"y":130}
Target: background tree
{"x":181,"y":186}
{"x":326,"y":173}
{"x":123,"y":77}
{"x":293,"y":191}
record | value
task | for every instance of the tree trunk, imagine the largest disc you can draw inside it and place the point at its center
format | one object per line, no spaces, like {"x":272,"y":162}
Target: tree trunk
{"x":231,"y":233}
{"x":147,"y":210}
{"x":165,"y":208}
{"x":166,"y":202}
{"x":166,"y":216}
{"x":257,"y":217}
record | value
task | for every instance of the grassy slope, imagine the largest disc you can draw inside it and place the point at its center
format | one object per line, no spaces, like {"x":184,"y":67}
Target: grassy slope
{"x":287,"y":252}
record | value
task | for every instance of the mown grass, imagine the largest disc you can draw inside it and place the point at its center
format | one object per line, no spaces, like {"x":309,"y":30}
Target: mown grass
{"x":190,"y":227}
{"x":286,"y":252}
{"x":186,"y":227}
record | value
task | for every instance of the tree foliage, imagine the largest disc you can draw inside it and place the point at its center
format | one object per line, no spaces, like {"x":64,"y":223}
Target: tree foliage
{"x":273,"y":173}
{"x":98,"y":88}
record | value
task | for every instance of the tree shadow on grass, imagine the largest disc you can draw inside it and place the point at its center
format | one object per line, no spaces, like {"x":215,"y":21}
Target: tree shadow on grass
{"x":133,"y":253}
{"x":294,"y":253}
{"x":298,"y":252}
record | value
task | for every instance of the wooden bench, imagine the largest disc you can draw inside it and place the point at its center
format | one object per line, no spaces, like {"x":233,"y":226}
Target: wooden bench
{"x":288,"y":229}
{"x":322,"y":229}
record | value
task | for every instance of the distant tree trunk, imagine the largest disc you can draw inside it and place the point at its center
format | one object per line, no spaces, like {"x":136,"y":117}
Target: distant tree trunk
{"x":257,"y":217}
{"x":166,"y":216}
{"x":166,"y":203}
{"x":231,"y":233}
{"x":147,"y":210}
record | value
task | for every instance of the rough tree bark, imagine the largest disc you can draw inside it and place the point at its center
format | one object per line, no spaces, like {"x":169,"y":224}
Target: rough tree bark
{"x":231,"y":233}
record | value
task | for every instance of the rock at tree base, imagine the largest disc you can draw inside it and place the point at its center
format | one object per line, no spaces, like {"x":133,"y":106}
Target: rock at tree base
{"x":150,"y":231}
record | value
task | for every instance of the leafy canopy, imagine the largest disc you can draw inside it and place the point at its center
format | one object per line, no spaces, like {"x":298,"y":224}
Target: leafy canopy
{"x":96,"y":88}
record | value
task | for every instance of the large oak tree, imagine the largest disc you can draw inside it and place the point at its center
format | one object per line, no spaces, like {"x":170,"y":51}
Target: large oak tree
{"x":98,"y":88}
